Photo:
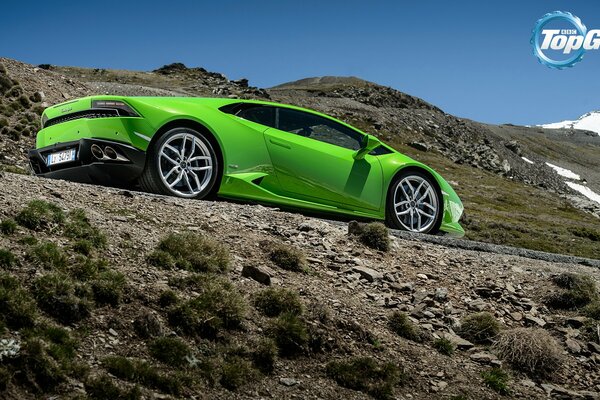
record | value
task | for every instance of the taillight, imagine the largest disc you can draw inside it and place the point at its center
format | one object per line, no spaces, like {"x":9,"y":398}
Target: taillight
{"x":123,"y":108}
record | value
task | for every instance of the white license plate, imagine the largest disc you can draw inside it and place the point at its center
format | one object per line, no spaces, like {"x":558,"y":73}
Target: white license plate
{"x":61,"y":157}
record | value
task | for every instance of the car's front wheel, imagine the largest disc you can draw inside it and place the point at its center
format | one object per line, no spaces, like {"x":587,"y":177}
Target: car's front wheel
{"x":181,"y":163}
{"x":414,"y":203}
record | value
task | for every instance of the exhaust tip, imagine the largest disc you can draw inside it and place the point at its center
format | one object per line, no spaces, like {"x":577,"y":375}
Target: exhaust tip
{"x":97,"y":152}
{"x":110,"y":153}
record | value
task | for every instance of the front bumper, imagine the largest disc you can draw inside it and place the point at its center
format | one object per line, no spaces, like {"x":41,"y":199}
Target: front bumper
{"x":122,"y":171}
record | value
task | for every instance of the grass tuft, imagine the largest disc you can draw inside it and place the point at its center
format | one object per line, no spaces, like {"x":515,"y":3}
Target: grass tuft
{"x":79,"y":227}
{"x":273,"y":302}
{"x":287,"y":257}
{"x":235,"y":372}
{"x":8,"y":226}
{"x":62,"y":298}
{"x":480,"y":328}
{"x":108,"y":287}
{"x":376,"y":236}
{"x":444,"y":346}
{"x":366,"y":375}
{"x":170,"y":350}
{"x":48,"y":255}
{"x":400,"y":324}
{"x":103,"y":387}
{"x":264,"y":356}
{"x":40,"y":214}
{"x":218,"y":307}
{"x":497,"y":380}
{"x":142,"y":372}
{"x":7,"y":258}
{"x":290,"y":334}
{"x":579,"y":290}
{"x":17,"y":307}
{"x":190,"y":251}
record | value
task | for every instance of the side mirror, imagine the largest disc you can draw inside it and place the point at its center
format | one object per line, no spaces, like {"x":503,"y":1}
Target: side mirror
{"x":368,"y":144}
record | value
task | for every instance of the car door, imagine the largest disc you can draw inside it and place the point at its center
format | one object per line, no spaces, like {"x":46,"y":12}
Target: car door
{"x":312,"y":157}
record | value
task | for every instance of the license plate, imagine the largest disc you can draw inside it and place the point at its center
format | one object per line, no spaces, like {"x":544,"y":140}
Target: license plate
{"x":61,"y":157}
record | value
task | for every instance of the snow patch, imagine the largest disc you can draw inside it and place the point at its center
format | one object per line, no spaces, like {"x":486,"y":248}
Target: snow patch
{"x":584,"y":190}
{"x":527,"y":160}
{"x":564,"y":172}
{"x":588,"y":122}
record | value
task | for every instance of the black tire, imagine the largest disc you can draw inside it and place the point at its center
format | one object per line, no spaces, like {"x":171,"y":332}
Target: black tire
{"x":151,"y":179}
{"x":394,"y":221}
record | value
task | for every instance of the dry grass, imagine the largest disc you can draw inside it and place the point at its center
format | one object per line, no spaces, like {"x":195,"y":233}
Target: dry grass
{"x":532,"y":351}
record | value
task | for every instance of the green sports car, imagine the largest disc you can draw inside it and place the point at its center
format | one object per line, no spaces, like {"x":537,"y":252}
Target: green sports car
{"x":242,"y":149}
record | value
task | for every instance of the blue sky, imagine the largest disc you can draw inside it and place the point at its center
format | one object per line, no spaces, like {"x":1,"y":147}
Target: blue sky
{"x":471,"y":58}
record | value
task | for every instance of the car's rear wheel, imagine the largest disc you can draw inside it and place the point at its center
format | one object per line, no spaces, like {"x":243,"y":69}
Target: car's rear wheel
{"x":414,"y":203}
{"x":181,"y":163}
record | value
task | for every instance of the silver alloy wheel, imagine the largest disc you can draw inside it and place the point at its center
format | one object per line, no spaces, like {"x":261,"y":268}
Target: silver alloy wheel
{"x":415,"y":204}
{"x":185,"y":164}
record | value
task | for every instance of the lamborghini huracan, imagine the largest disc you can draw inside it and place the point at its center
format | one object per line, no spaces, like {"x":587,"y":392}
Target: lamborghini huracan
{"x":242,"y":149}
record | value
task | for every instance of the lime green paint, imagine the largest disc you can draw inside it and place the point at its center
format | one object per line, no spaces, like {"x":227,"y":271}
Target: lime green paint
{"x":261,"y":163}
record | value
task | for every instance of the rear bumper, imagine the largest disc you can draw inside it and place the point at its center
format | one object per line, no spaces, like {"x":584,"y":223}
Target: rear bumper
{"x":88,"y":169}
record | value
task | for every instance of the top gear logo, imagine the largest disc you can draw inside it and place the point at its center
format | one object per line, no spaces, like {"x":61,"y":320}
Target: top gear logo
{"x":560,"y":40}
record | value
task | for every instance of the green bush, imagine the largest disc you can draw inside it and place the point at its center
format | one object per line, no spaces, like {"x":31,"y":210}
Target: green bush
{"x":480,"y":327}
{"x":290,"y":334}
{"x":190,"y":251}
{"x":103,"y":387}
{"x":8,"y":226}
{"x":168,"y":298}
{"x":79,"y":227}
{"x":287,"y":257}
{"x":108,"y":287}
{"x":17,"y":307}
{"x":273,"y":302}
{"x":83,"y":247}
{"x":366,"y":375}
{"x":142,"y":372}
{"x":48,"y":255}
{"x":444,"y":346}
{"x":376,"y":235}
{"x":579,"y":290}
{"x":264,"y":356}
{"x":219,"y":306}
{"x":497,"y":380}
{"x":235,"y":372}
{"x":170,"y":350}
{"x":86,"y":268}
{"x":7,"y":258}
{"x":39,"y":214}
{"x":400,"y":324}
{"x":38,"y":370}
{"x":61,"y":298}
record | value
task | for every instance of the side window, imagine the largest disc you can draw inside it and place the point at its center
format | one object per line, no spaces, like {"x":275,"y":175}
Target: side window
{"x":263,"y":115}
{"x":318,"y":128}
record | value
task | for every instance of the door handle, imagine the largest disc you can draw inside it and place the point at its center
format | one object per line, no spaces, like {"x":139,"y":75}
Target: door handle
{"x":278,"y":143}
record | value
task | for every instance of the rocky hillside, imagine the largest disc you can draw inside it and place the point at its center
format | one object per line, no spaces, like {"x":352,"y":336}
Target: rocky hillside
{"x":490,"y":166}
{"x":116,"y":294}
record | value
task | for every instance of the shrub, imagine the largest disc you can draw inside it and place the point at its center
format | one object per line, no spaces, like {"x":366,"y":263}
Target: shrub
{"x":400,"y":324}
{"x":170,"y":350}
{"x":236,"y":372}
{"x":142,"y":372}
{"x":444,"y":346}
{"x":287,"y":257}
{"x":479,"y":327}
{"x":80,"y":228}
{"x":39,"y":214}
{"x":497,"y":380}
{"x":7,"y":258}
{"x":8,"y":226}
{"x":376,"y":235}
{"x":48,"y":255}
{"x":168,"y":298}
{"x":190,"y":251}
{"x":39,"y":371}
{"x":580,"y":290}
{"x":273,"y":302}
{"x":264,"y":355}
{"x":103,"y":387}
{"x":61,"y":298}
{"x":17,"y":307}
{"x":218,"y":306}
{"x":366,"y":375}
{"x":290,"y":334}
{"x":530,"y":350}
{"x":108,"y":287}
{"x":592,"y":310}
